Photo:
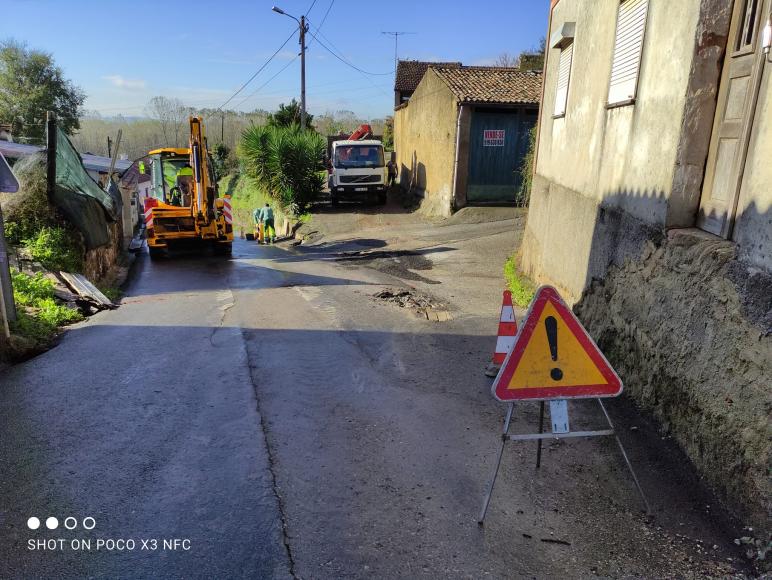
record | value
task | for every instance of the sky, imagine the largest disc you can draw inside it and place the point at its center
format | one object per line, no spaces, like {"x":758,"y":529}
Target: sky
{"x":123,"y":53}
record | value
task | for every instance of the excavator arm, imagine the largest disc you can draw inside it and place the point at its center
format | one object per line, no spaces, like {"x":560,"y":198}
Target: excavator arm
{"x":204,"y":191}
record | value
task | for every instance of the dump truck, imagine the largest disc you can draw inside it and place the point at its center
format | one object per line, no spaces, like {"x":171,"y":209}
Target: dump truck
{"x":184,"y":207}
{"x":357,"y":167}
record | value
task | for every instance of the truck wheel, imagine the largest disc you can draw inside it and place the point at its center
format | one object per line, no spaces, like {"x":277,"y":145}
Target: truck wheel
{"x":333,"y":200}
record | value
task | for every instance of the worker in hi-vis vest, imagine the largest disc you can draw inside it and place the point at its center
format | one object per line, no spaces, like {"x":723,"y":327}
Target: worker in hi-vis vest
{"x":266,"y":216}
{"x":180,"y":193}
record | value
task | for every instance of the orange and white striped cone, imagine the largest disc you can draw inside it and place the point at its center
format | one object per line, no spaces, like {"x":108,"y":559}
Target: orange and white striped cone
{"x":506,"y":335}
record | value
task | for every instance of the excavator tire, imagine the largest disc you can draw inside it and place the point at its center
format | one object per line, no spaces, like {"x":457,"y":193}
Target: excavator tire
{"x":155,"y":253}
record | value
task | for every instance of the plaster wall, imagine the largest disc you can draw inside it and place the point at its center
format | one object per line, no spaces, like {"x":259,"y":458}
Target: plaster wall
{"x":425,"y":142}
{"x":597,"y":159}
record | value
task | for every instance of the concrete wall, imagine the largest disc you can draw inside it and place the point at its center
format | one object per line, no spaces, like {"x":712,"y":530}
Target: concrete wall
{"x":425,"y":141}
{"x":597,"y":162}
{"x":753,"y":228}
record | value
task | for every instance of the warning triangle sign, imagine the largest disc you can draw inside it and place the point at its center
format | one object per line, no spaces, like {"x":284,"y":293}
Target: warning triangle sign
{"x":553,"y":357}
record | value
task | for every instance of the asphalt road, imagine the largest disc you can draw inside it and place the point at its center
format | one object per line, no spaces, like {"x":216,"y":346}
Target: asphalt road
{"x":271,"y":411}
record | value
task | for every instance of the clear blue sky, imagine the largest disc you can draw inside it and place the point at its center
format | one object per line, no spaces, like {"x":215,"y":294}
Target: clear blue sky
{"x":122,"y":53}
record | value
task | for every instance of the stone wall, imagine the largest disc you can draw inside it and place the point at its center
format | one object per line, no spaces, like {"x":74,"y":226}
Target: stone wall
{"x":688,"y":327}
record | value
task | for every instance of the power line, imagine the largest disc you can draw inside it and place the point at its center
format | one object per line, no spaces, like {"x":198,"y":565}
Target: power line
{"x":344,"y":61}
{"x":258,"y":70}
{"x":310,"y":7}
{"x":324,"y":18}
{"x":257,"y":90}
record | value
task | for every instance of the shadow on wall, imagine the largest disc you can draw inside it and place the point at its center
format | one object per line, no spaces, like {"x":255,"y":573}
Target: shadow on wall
{"x":687,"y":323}
{"x":412,"y":180}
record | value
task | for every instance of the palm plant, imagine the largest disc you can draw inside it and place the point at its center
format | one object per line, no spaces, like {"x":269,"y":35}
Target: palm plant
{"x":286,"y":161}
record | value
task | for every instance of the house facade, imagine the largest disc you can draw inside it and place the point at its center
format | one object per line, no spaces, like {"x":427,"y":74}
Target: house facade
{"x":659,"y":129}
{"x":650,"y":212}
{"x":462,"y":136}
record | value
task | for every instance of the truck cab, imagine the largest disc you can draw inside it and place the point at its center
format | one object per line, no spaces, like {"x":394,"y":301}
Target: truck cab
{"x":357,"y":171}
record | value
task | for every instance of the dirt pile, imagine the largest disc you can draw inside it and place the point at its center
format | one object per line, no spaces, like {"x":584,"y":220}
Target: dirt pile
{"x":689,"y":329}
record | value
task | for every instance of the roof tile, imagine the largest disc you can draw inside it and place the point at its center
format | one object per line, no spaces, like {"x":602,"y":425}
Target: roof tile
{"x":489,"y":84}
{"x":410,"y":73}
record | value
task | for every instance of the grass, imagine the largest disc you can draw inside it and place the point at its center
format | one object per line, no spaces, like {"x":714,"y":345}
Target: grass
{"x":246,"y":195}
{"x":38,"y":314}
{"x":521,"y":287}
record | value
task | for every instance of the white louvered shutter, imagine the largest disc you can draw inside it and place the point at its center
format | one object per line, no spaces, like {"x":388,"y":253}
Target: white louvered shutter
{"x":564,"y":74}
{"x":631,"y":23}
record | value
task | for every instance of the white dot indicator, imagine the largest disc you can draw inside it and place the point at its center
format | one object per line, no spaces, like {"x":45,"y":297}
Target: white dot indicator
{"x":70,"y":523}
{"x":89,"y":523}
{"x":52,"y":523}
{"x":33,"y":523}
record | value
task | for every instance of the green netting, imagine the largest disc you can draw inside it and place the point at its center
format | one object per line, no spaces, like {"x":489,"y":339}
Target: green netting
{"x":80,"y":198}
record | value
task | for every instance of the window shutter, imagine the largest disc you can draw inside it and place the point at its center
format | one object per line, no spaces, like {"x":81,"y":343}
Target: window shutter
{"x":631,"y":23}
{"x":564,"y":74}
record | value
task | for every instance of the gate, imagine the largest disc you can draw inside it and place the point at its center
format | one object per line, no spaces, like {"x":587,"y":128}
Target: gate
{"x":498,"y":141}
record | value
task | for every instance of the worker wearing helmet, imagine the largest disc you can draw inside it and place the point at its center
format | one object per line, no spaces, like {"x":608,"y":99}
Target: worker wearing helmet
{"x":180,"y":194}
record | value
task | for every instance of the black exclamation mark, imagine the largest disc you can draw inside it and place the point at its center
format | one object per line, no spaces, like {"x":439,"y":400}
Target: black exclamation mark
{"x":551,"y":325}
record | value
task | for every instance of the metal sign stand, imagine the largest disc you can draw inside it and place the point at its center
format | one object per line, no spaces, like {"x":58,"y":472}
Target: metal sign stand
{"x":560,"y":430}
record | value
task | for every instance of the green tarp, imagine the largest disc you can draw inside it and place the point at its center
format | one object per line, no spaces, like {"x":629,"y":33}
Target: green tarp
{"x":80,"y":198}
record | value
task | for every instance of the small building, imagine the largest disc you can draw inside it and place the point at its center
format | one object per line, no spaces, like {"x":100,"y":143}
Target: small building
{"x":409,"y":74}
{"x":462,"y":136}
{"x":651,"y":211}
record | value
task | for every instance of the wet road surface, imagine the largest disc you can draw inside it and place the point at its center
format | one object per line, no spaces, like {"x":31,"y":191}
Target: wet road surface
{"x":268,"y":409}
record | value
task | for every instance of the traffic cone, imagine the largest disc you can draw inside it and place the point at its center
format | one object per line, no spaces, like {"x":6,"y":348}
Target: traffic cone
{"x":506,"y":335}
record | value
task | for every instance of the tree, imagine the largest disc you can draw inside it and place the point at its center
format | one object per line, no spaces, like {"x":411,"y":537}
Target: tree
{"x":170,"y":115}
{"x":30,"y":85}
{"x":388,"y":133}
{"x":507,"y":60}
{"x":288,"y":115}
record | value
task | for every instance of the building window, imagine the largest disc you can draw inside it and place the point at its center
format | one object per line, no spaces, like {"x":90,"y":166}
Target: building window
{"x":747,"y":25}
{"x":564,"y":75}
{"x":631,"y":23}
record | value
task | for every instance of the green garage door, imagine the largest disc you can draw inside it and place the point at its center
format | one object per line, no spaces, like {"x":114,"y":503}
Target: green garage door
{"x":498,"y":141}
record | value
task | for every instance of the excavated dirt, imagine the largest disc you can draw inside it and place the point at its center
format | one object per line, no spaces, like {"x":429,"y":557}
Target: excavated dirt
{"x":689,"y":328}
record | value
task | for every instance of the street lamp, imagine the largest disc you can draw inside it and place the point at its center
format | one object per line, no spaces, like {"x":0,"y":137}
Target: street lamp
{"x":303,"y":27}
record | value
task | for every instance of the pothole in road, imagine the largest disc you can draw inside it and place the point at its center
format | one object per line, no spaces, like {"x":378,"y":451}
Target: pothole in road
{"x":423,"y":305}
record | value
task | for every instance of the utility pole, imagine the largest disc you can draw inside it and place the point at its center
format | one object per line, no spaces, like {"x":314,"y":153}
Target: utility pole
{"x":303,"y":27}
{"x":396,"y":34}
{"x":222,"y":127}
{"x":50,"y":154}
{"x":109,"y":146}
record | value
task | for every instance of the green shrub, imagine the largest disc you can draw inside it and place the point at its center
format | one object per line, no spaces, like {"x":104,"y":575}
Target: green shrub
{"x":521,"y":287}
{"x":39,"y":315}
{"x":28,"y":211}
{"x":523,"y":196}
{"x":287,"y":162}
{"x":56,"y":249}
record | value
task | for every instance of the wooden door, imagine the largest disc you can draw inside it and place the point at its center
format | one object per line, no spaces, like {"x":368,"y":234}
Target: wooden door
{"x":737,"y":97}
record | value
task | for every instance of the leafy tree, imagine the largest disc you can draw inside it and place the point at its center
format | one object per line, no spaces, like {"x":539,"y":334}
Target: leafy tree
{"x":388,"y":133}
{"x":30,"y":85}
{"x":288,"y":115}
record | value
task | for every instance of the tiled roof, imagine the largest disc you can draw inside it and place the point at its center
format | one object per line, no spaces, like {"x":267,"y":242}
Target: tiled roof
{"x":410,"y":73}
{"x":490,"y":84}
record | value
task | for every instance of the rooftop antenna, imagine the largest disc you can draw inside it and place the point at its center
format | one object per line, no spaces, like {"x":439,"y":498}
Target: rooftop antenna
{"x":396,"y":34}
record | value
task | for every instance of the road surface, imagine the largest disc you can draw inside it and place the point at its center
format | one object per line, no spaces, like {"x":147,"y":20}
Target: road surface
{"x":276,"y":420}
